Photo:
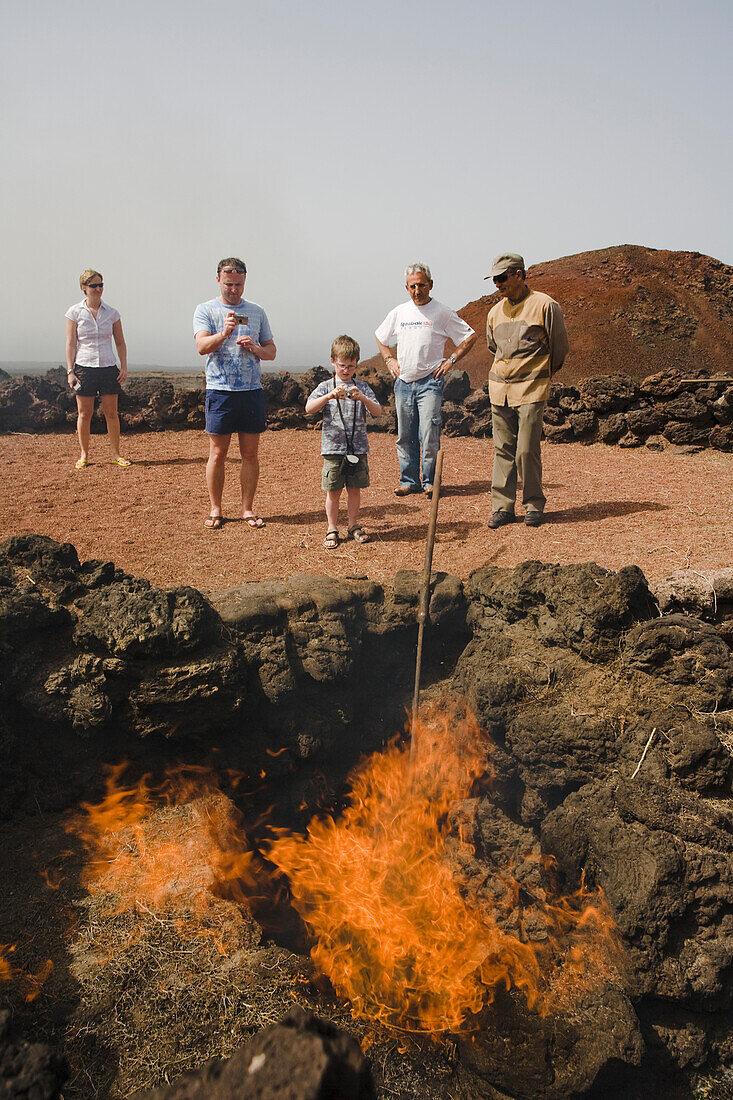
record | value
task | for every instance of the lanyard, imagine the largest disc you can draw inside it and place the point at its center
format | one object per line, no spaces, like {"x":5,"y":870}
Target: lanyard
{"x":349,"y":442}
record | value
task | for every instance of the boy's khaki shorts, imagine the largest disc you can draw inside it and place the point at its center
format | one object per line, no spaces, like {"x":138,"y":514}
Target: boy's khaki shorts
{"x":337,"y":472}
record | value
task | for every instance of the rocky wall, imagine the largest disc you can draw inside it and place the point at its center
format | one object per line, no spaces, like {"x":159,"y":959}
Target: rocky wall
{"x":671,"y":408}
{"x":612,"y":726}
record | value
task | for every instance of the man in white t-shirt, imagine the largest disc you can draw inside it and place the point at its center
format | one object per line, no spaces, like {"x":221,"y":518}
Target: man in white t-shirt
{"x":418,"y":331}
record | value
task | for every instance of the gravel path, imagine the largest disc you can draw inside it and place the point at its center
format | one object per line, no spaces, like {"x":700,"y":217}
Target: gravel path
{"x":662,"y":511}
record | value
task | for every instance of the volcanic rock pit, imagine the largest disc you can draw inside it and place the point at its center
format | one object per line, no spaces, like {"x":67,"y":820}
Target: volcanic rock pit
{"x":215,"y":842}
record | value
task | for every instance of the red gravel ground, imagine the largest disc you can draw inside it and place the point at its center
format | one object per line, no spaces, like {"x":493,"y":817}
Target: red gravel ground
{"x":662,"y":511}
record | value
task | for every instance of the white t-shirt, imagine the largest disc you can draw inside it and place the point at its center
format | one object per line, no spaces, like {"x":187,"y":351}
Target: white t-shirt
{"x":420,"y":333}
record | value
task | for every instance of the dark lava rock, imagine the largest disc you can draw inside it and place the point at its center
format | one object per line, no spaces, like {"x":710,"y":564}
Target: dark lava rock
{"x":291,"y":392}
{"x":272,"y":384}
{"x":301,"y":1058}
{"x":583,"y":423}
{"x":662,"y":857}
{"x":457,"y":386}
{"x":39,"y":551}
{"x":478,"y":403}
{"x":560,"y":433}
{"x":683,"y":650}
{"x":559,"y":392}
{"x":28,"y":1071}
{"x":697,"y":758}
{"x":646,"y":420}
{"x":312,"y":378}
{"x":529,"y":1057}
{"x":583,"y":607}
{"x":609,"y":393}
{"x":722,"y":438}
{"x":687,"y":407}
{"x":133,"y":619}
{"x":612,"y":428}
{"x":683,"y":433}
{"x":663,"y":385}
{"x":553,"y":415}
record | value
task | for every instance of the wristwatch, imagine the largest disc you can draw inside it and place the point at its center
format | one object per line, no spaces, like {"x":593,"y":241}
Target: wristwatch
{"x":453,"y":359}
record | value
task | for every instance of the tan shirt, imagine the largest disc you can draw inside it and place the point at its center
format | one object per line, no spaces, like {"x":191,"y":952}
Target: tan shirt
{"x":529,"y":342}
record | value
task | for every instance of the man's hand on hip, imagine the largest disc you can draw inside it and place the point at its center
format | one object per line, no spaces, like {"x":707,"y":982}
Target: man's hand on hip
{"x":442,"y":369}
{"x":393,"y":367}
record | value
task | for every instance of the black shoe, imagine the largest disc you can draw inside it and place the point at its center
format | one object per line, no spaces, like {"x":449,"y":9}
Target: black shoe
{"x":498,"y":519}
{"x":534,"y":519}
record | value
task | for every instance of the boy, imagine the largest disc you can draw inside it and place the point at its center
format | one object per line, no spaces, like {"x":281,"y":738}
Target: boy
{"x":344,"y":443}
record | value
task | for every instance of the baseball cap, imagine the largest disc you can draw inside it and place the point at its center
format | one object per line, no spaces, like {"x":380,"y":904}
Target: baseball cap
{"x":507,"y":261}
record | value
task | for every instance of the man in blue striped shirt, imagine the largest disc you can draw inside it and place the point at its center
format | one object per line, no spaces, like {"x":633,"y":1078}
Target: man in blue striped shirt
{"x":235,"y":337}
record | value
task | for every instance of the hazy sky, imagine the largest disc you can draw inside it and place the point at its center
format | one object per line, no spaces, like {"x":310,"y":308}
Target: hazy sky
{"x":329,"y":144}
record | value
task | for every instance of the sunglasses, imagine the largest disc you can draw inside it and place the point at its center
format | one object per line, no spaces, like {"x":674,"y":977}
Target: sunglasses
{"x":499,"y":279}
{"x":95,"y":286}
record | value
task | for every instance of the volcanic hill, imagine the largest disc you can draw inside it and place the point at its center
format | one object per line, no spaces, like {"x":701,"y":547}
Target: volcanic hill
{"x":630,"y":310}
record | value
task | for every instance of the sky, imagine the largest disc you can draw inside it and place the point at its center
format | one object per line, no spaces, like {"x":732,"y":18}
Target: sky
{"x":329,"y":144}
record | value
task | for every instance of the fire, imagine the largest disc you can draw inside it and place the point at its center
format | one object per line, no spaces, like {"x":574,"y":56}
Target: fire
{"x":29,"y":984}
{"x":400,"y":933}
{"x":410,"y":927}
{"x":171,"y":851}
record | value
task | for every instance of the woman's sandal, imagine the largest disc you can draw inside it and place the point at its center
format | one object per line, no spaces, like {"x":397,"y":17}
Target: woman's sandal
{"x":358,"y":534}
{"x":331,"y":540}
{"x":214,"y":523}
{"x":81,"y":464}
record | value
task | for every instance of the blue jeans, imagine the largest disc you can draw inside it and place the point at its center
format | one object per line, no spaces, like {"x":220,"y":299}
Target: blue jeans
{"x":419,"y":416}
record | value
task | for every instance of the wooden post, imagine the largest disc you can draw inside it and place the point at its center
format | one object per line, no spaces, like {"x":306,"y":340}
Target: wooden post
{"x":425,"y":599}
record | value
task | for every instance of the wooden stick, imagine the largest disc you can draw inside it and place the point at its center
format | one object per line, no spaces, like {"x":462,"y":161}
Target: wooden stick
{"x":646,"y":750}
{"x":425,"y":598}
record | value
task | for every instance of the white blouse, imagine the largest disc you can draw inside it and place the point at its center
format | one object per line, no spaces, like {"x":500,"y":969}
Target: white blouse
{"x":95,"y":346}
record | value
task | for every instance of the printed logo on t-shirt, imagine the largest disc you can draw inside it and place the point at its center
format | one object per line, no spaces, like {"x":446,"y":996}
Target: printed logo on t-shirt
{"x":415,"y":324}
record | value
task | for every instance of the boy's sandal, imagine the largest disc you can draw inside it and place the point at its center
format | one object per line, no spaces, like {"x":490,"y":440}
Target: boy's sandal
{"x":331,"y":540}
{"x":214,"y":523}
{"x":358,"y":534}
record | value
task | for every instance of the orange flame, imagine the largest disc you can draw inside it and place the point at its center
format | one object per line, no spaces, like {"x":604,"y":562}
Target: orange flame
{"x":397,"y":932}
{"x":170,"y":850}
{"x":29,"y":984}
{"x":408,"y":927}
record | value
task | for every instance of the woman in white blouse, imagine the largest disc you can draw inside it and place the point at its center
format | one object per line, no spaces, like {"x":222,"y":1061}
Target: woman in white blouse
{"x":93,"y":330}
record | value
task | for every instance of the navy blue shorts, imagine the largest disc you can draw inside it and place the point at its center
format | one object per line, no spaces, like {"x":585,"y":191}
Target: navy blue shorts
{"x":228,"y":412}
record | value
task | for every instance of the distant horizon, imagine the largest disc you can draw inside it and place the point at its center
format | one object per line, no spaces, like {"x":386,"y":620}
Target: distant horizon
{"x":31,"y":366}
